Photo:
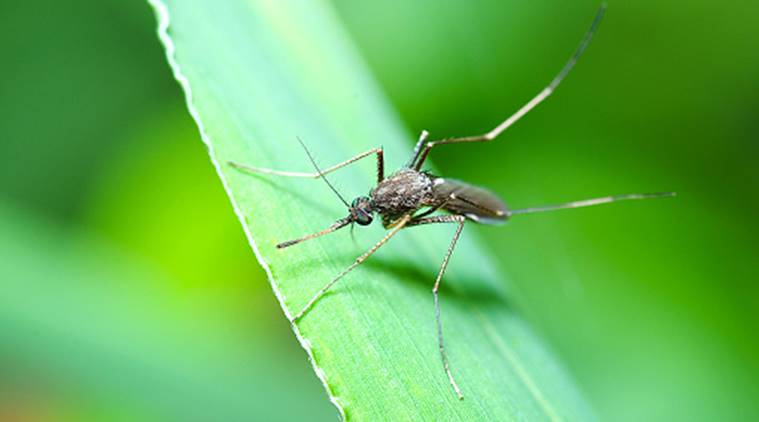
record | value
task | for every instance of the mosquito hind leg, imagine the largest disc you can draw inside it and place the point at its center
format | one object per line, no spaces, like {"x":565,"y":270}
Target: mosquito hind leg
{"x":420,"y":154}
{"x":460,"y":219}
{"x":418,"y":148}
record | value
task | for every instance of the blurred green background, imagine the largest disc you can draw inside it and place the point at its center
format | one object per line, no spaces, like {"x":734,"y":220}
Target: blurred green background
{"x":128,"y":291}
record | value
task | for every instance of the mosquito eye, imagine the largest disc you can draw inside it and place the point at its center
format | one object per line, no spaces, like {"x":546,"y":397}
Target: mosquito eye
{"x":363,"y":218}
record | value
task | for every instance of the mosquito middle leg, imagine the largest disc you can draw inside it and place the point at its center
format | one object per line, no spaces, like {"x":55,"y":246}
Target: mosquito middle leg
{"x":400,"y":223}
{"x":460,"y":219}
{"x":420,"y":154}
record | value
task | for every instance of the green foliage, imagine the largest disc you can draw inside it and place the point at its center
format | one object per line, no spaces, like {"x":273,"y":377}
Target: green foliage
{"x":91,"y":333}
{"x":653,"y":307}
{"x":258,"y":74}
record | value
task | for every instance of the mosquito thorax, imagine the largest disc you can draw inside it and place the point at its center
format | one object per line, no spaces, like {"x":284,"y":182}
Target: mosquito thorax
{"x":403,"y":191}
{"x":361,"y":210}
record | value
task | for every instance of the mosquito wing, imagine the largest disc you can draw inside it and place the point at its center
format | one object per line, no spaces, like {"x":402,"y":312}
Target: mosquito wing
{"x":477,"y":204}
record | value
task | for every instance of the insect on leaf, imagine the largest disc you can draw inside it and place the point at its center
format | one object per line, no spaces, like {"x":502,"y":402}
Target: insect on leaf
{"x":256,"y":75}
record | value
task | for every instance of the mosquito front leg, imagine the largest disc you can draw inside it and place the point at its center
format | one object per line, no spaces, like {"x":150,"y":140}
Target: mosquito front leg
{"x":460,"y":219}
{"x":419,"y":157}
{"x":401,"y":222}
{"x":316,"y":175}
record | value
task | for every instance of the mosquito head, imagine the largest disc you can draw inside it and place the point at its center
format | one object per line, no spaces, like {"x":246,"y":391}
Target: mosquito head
{"x":362,"y":211}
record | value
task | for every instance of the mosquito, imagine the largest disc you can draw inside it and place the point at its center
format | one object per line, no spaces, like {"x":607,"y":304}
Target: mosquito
{"x":411,"y":196}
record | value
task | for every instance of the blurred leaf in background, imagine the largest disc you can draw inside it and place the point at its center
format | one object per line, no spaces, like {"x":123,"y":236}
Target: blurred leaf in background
{"x":103,"y":315}
{"x":99,"y":333}
{"x":77,"y":75}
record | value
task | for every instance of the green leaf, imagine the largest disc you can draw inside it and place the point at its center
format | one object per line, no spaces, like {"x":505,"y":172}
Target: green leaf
{"x":256,"y":75}
{"x":93,"y":332}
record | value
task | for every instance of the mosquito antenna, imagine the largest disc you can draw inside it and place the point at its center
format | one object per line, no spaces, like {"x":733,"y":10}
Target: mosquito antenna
{"x":321,"y":175}
{"x":591,"y":202}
